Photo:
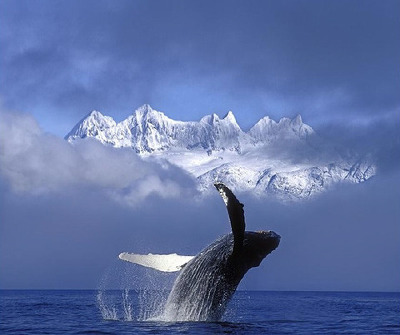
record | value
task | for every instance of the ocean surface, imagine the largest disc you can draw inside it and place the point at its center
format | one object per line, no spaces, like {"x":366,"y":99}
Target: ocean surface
{"x":249,"y":312}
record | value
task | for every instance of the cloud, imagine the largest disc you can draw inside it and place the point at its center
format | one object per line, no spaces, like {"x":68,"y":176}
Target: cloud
{"x":37,"y":163}
{"x":348,"y":239}
{"x":325,"y":61}
{"x":378,"y":140}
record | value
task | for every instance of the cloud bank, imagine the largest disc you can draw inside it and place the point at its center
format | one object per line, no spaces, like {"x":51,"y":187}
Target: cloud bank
{"x":35,"y":163}
{"x":344,"y":240}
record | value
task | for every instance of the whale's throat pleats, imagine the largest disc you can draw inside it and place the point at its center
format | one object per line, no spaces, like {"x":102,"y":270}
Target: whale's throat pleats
{"x":205,"y":286}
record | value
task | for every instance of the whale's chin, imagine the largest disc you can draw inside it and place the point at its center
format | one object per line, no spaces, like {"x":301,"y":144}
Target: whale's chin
{"x":256,"y":263}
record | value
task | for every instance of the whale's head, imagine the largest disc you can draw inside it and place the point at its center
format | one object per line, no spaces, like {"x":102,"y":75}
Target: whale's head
{"x":257,"y":245}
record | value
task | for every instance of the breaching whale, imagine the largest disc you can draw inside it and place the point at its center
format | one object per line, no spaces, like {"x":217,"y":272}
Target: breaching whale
{"x":207,"y":281}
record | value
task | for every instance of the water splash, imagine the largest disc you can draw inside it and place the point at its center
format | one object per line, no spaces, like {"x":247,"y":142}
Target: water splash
{"x":128,"y":310}
{"x":108,"y":311}
{"x":201,"y":291}
{"x":141,"y":294}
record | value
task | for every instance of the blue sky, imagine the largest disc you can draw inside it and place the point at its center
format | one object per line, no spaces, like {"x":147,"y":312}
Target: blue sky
{"x":336,"y":63}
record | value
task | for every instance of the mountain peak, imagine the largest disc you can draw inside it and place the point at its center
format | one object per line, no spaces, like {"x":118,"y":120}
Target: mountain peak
{"x":93,"y":116}
{"x":230,"y":117}
{"x":266,"y":120}
{"x":216,"y":148}
{"x":146,"y":114}
{"x":147,"y":110}
{"x":94,"y":113}
{"x":267,"y":130}
{"x":148,"y":130}
{"x":91,"y":125}
{"x":144,"y":109}
{"x":211,"y":119}
{"x":215,"y":117}
{"x":297,"y":119}
{"x":301,"y":129}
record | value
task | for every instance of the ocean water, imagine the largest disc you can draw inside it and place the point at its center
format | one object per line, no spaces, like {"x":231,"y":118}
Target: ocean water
{"x":249,"y":312}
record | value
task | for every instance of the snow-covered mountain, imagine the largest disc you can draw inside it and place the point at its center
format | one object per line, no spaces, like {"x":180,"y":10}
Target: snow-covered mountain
{"x":286,"y":159}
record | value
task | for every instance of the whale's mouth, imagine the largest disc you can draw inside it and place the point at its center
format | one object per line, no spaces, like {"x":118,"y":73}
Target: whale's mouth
{"x":271,"y":238}
{"x":260,"y":244}
{"x":270,"y":234}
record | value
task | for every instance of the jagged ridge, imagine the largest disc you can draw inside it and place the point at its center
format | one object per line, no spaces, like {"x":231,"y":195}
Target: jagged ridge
{"x":217,"y":149}
{"x":149,"y":131}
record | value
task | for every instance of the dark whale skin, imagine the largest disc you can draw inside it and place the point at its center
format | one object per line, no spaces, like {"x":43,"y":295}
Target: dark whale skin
{"x":205,"y":285}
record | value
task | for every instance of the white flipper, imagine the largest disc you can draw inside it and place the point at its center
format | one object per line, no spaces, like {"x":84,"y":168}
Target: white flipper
{"x":165,"y":263}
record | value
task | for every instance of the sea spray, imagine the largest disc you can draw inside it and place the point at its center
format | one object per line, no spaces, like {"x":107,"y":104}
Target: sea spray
{"x":126,"y":302}
{"x":106,"y":303}
{"x":146,"y":295}
{"x":108,"y":310}
{"x":141,"y":293}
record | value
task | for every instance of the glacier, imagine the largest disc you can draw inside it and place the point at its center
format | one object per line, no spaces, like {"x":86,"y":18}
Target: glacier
{"x":287,"y":159}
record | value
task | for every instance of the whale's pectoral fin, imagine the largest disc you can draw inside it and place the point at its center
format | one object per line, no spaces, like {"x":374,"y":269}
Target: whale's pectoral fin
{"x":236,"y":215}
{"x":165,"y":263}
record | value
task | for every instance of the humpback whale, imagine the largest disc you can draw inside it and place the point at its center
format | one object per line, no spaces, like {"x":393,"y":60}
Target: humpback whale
{"x":207,"y":281}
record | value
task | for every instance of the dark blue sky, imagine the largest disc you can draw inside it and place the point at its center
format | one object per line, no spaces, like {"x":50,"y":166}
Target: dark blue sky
{"x":63,"y":210}
{"x":329,"y":61}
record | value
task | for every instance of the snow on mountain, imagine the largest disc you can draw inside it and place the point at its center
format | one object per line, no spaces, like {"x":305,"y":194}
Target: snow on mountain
{"x":285,"y":159}
{"x":267,"y":130}
{"x":95,"y":125}
{"x":148,"y":131}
